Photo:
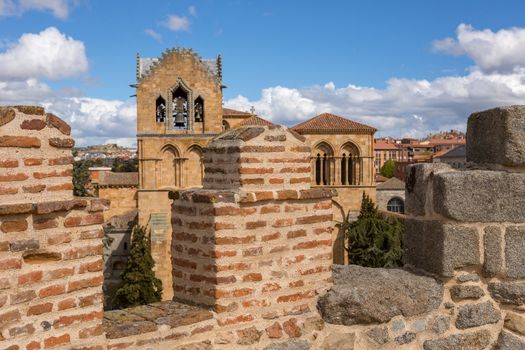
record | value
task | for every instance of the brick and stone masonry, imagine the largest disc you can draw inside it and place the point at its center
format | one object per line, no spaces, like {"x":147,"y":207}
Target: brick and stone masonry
{"x":50,"y":241}
{"x":254,"y":247}
{"x":255,"y":242}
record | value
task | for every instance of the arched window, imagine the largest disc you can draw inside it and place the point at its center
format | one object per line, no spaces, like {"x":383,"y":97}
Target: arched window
{"x":180,"y":108}
{"x":396,"y":205}
{"x":199,"y":109}
{"x":160,"y":108}
{"x":324,"y":164}
{"x":350,"y":164}
{"x":225,"y":125}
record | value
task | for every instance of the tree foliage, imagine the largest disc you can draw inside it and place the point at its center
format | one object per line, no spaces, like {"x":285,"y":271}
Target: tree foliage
{"x":81,"y":177}
{"x":140,"y":286}
{"x":125,"y":166}
{"x":387,"y":170}
{"x":374,"y":241}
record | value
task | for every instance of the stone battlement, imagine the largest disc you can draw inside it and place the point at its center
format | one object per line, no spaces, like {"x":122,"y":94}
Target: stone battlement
{"x":251,"y":252}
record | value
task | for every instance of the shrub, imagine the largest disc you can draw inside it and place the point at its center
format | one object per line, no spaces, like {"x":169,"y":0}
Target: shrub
{"x":373,"y":240}
{"x":387,"y":170}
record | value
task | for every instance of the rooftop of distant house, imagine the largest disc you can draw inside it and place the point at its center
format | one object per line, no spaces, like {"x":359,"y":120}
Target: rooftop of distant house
{"x":331,"y":124}
{"x":456,"y":152}
{"x":232,"y":113}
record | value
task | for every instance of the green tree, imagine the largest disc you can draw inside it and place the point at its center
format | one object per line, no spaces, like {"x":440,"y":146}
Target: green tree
{"x":124,"y":166}
{"x":140,"y":286}
{"x":81,"y":177}
{"x":373,"y":240}
{"x":387,"y":170}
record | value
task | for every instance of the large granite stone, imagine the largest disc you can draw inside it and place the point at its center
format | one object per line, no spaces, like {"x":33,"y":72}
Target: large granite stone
{"x":466,"y":292}
{"x":475,"y":315}
{"x":515,"y":251}
{"x":440,"y":248}
{"x":480,"y":196}
{"x":508,"y":293}
{"x":289,"y":345}
{"x":493,"y":261}
{"x":466,"y":341}
{"x":497,"y":136}
{"x":508,"y":341}
{"x":362,"y":295}
{"x":417,"y":193}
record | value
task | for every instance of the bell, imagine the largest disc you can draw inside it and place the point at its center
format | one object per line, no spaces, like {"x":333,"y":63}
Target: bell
{"x":179,"y":119}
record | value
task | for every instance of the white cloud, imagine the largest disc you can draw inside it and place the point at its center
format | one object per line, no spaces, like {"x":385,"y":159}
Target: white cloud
{"x":192,"y":10}
{"x":177,"y":23}
{"x":501,"y":51}
{"x":52,"y":55}
{"x":153,"y":34}
{"x":96,"y":120}
{"x":48,"y":54}
{"x":7,"y":8}
{"x":59,"y":8}
{"x":23,"y":92}
{"x":406,"y":107}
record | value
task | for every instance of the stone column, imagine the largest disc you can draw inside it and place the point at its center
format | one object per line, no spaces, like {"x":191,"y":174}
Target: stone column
{"x":255,"y":243}
{"x":337,"y":171}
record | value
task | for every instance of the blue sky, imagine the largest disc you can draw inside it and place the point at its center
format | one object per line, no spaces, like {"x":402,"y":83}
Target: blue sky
{"x":405,"y":67}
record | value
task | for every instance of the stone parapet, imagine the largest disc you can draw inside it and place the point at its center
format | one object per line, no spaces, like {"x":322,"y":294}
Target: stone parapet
{"x":36,"y":159}
{"x":253,"y":245}
{"x":497,"y":136}
{"x":467,"y":228}
{"x":50,"y":242}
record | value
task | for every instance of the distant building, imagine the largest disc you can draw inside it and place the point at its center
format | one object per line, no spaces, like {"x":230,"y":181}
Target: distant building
{"x":456,"y":157}
{"x":384,"y":150}
{"x":391,"y":196}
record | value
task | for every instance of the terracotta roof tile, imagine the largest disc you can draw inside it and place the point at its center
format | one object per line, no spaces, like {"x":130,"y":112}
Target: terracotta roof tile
{"x":380,"y":144}
{"x":331,"y":123}
{"x":255,"y":120}
{"x":448,"y":142}
{"x":228,"y":112}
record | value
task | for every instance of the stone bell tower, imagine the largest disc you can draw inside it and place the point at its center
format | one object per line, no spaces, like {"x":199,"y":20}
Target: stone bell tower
{"x":179,"y":109}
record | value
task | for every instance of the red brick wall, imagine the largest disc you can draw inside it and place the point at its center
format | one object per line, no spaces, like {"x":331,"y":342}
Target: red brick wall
{"x":50,"y":242}
{"x":255,"y":242}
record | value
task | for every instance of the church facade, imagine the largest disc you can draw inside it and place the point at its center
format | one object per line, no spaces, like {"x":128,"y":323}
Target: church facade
{"x":179,"y":110}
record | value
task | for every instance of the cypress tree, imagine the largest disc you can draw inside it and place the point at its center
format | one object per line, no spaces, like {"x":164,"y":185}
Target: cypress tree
{"x":140,"y":286}
{"x":374,"y":241}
